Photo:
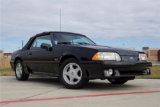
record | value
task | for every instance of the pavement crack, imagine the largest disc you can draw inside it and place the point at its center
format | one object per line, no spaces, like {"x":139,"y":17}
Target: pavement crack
{"x":41,"y":93}
{"x":34,"y":95}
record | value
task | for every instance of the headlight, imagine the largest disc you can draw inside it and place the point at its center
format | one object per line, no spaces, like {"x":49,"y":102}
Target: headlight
{"x":112,"y":56}
{"x":142,"y":57}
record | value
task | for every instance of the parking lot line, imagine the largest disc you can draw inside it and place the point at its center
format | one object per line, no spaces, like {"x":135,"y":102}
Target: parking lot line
{"x":82,"y":96}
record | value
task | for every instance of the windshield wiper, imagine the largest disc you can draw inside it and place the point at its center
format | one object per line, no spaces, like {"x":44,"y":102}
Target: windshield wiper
{"x":64,"y":42}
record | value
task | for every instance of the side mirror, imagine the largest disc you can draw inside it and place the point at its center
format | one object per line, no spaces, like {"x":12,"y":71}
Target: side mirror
{"x":46,"y":46}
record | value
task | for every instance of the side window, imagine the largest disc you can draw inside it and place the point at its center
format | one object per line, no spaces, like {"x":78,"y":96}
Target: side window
{"x":39,"y":40}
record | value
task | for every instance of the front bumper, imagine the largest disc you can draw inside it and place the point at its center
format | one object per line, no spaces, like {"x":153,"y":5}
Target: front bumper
{"x":99,"y":69}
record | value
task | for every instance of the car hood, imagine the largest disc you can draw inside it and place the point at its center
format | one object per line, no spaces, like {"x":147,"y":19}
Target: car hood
{"x":111,"y":49}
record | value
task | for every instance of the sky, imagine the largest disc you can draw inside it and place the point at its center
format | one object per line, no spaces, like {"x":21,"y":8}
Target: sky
{"x":118,"y":23}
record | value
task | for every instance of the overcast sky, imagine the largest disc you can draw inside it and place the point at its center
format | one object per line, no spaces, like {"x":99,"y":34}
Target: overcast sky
{"x":134,"y":23}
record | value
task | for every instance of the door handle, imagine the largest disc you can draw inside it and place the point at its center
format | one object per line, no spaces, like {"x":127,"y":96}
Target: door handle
{"x":29,"y":53}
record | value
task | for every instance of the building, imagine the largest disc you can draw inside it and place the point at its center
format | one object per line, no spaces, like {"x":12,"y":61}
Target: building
{"x":152,"y":53}
{"x":4,"y":54}
{"x":7,"y":55}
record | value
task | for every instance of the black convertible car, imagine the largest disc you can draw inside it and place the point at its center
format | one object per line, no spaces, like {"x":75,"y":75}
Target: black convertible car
{"x":75,"y":59}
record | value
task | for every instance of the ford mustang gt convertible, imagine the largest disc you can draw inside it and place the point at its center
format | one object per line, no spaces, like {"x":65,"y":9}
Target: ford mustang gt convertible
{"x":75,"y":59}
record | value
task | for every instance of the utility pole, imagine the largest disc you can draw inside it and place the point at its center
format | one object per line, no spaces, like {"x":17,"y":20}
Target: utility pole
{"x":22,"y":43}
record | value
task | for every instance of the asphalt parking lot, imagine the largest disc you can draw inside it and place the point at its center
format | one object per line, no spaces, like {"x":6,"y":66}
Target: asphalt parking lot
{"x":48,"y":92}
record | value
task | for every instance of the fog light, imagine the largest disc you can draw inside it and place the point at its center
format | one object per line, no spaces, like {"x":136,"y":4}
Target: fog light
{"x":145,"y":72}
{"x":108,"y":72}
{"x":148,"y":71}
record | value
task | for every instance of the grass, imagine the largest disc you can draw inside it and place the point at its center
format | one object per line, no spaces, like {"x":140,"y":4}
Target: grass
{"x":155,"y":73}
{"x":5,"y":68}
{"x":6,"y":72}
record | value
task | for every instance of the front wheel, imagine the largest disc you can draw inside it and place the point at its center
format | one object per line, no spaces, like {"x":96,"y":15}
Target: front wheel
{"x":19,"y":71}
{"x":71,"y":74}
{"x":117,"y":80}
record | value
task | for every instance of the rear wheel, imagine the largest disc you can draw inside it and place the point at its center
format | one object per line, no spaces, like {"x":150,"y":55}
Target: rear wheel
{"x":71,"y":74}
{"x":117,"y":80}
{"x":19,"y":71}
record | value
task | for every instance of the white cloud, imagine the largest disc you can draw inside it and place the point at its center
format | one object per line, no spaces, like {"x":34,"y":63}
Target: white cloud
{"x":98,"y":18}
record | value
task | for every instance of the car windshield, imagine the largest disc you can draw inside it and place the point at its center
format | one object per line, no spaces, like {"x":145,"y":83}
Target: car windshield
{"x":71,"y":39}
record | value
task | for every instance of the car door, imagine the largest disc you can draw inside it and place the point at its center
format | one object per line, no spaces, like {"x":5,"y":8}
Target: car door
{"x":40,"y":60}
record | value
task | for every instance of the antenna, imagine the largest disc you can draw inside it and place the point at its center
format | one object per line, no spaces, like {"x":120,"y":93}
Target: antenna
{"x":60,"y":25}
{"x":60,"y":19}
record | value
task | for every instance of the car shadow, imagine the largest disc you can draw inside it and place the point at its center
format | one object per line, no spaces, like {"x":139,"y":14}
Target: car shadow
{"x":98,"y":85}
{"x":47,"y":81}
{"x":92,"y":85}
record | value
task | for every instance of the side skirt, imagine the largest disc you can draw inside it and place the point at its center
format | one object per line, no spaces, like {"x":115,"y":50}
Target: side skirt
{"x":45,"y":74}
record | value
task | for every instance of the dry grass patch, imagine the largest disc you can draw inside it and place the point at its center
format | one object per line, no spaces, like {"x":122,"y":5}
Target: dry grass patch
{"x":5,"y":68}
{"x":5,"y":63}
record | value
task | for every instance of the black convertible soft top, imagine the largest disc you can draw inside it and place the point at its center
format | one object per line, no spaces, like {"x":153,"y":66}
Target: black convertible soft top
{"x":44,"y":33}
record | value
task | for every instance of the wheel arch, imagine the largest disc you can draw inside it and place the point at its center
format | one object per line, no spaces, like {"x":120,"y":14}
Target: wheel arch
{"x":65,"y":57}
{"x":25,"y":67}
{"x":16,"y":59}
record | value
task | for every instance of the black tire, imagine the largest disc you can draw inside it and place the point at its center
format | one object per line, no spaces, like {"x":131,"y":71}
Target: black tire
{"x":117,"y":80}
{"x":69,"y":68}
{"x":19,"y":71}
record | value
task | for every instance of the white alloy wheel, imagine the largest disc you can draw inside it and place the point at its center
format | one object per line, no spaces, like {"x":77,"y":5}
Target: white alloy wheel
{"x":19,"y":70}
{"x":72,"y":73}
